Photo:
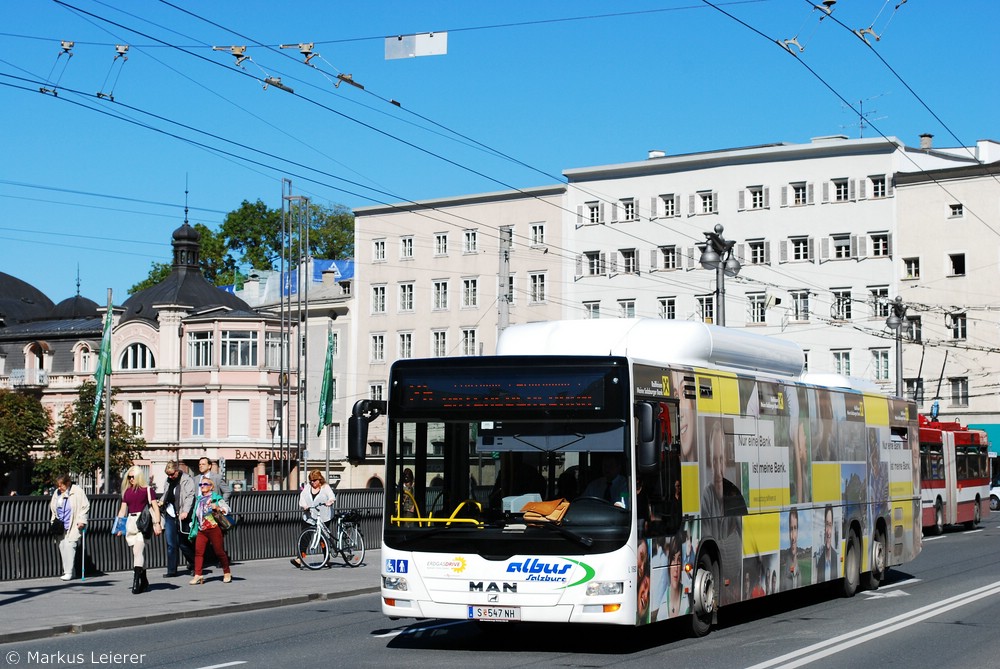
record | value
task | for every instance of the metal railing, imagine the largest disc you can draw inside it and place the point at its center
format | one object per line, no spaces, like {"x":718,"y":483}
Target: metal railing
{"x":268,"y":524}
{"x":28,"y":377}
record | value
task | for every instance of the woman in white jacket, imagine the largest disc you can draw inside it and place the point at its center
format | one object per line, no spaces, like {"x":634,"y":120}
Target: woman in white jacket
{"x":70,"y":506}
{"x":317,"y":500}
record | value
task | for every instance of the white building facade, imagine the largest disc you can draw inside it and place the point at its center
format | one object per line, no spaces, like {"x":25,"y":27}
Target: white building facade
{"x":948,"y":265}
{"x":822,"y":232}
{"x":429,"y":283}
{"x":814,"y":228}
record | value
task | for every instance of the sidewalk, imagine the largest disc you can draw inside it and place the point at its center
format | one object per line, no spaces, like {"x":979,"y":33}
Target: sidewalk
{"x":47,"y":607}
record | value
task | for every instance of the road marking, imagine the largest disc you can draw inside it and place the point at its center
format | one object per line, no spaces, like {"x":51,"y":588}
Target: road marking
{"x":886,"y":595}
{"x":219,"y":666}
{"x":832,"y":646}
{"x":945,"y":536}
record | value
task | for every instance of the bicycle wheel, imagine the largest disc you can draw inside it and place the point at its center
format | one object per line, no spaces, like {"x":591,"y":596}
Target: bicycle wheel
{"x":314,"y":550}
{"x":352,"y":546}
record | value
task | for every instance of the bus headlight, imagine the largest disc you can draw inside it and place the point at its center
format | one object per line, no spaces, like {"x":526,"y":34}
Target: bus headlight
{"x":394,"y":583}
{"x":595,"y":588}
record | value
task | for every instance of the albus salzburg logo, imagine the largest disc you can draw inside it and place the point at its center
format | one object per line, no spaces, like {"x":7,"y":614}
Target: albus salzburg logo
{"x":550,"y":572}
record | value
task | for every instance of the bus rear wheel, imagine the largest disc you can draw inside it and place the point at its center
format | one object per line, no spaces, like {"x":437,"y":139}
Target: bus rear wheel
{"x":879,"y":563}
{"x":977,"y":516}
{"x":852,"y":565}
{"x":706,"y":595}
{"x":938,"y":518}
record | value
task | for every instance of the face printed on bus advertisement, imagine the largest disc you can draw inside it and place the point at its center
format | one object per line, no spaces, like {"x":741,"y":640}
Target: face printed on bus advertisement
{"x":642,"y":591}
{"x":686,"y":419}
{"x":717,"y":456}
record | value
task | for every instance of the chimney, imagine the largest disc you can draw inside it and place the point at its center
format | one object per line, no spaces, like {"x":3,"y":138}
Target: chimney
{"x":656,"y":153}
{"x":925,"y":141}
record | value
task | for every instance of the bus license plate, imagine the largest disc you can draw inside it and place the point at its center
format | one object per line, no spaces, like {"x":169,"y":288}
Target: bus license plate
{"x":494,"y":613}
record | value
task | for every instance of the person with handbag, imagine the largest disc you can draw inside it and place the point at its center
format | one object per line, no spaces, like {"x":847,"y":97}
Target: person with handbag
{"x":69,"y":508}
{"x":175,"y":508}
{"x":205,"y":529}
{"x":141,"y":519}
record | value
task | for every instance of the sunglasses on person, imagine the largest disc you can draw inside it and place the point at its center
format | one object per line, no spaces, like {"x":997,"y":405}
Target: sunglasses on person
{"x":130,"y":477}
{"x":205,"y":485}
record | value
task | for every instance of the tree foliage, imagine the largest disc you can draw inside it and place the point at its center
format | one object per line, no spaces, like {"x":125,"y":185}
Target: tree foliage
{"x":250,"y":237}
{"x":78,"y":450}
{"x":254,"y":233}
{"x":24,"y":423}
{"x":158,"y":271}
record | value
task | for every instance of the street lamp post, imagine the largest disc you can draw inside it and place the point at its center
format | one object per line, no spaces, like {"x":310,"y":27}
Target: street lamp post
{"x":272,"y":425}
{"x":718,"y":255}
{"x":897,"y":312}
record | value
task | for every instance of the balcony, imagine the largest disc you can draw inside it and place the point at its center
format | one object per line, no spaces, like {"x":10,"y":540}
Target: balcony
{"x":22,"y":378}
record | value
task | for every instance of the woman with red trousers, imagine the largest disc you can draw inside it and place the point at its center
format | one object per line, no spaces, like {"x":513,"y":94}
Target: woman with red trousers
{"x":205,"y":530}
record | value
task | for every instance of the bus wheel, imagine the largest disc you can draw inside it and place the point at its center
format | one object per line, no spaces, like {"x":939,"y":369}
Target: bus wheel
{"x":879,"y":562}
{"x":938,"y":518}
{"x":852,"y":565}
{"x":706,"y":595}
{"x":977,"y":516}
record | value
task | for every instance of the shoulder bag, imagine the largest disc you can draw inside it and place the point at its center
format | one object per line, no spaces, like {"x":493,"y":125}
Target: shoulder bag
{"x":225,"y":522}
{"x":144,"y":523}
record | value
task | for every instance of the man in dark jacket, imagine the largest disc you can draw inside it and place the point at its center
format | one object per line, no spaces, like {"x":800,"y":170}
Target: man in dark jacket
{"x":175,"y":510}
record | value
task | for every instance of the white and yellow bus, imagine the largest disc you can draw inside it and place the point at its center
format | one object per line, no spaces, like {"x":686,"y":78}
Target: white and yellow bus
{"x":630,"y":471}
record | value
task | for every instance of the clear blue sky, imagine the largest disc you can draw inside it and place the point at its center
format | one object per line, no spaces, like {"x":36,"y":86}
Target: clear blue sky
{"x":96,"y":186}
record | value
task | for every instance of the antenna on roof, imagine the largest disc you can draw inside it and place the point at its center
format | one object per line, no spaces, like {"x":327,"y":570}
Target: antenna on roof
{"x":864,"y":119}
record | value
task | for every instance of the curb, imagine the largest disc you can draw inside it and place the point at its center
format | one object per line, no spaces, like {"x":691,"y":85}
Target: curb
{"x":119,"y":623}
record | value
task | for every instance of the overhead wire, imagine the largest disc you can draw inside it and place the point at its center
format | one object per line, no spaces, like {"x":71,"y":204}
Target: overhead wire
{"x":901,"y":80}
{"x":244,"y":146}
{"x":571,"y":212}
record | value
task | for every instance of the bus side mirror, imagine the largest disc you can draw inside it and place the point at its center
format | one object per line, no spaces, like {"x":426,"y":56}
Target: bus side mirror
{"x":364,"y":412}
{"x":647,"y":457}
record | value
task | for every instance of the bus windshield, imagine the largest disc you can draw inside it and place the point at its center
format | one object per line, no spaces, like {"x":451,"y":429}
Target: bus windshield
{"x":471,"y":442}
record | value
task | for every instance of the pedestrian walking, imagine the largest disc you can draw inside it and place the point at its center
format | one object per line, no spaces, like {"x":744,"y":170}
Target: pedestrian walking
{"x":205,"y":529}
{"x":69,"y":507}
{"x":176,"y":506}
{"x":206,"y":468}
{"x":136,"y":496}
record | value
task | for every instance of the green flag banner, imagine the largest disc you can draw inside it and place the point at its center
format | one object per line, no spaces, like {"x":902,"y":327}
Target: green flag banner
{"x":103,"y":370}
{"x":326,"y":394}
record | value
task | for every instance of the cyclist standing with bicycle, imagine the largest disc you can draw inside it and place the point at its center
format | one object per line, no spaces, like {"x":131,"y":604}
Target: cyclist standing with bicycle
{"x":317,"y":499}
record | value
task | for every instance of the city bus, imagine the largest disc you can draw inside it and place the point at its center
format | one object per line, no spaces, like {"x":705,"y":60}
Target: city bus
{"x":630,"y":471}
{"x":954,"y":474}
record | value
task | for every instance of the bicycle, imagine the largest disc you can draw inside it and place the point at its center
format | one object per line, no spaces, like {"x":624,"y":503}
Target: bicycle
{"x":317,"y":546}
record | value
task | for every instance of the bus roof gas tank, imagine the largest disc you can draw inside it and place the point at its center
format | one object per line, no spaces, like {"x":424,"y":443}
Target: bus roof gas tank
{"x":657,"y":341}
